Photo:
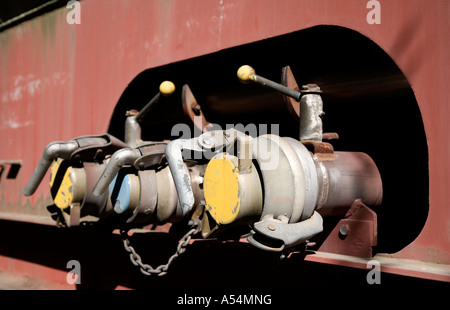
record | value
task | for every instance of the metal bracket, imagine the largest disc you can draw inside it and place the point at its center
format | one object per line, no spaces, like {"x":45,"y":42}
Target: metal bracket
{"x":193,"y":110}
{"x":355,"y":234}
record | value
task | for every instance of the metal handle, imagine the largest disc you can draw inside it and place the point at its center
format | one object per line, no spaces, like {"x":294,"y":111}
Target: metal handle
{"x":180,"y":174}
{"x":247,"y":74}
{"x":212,"y":140}
{"x":119,"y":159}
{"x":52,"y":151}
{"x":132,"y":123}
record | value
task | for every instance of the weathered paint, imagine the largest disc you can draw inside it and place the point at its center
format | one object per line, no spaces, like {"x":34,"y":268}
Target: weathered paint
{"x":59,"y":81}
{"x":223,"y":189}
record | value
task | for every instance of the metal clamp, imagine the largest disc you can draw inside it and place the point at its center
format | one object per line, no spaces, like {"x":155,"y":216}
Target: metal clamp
{"x":142,"y":157}
{"x":213,"y":141}
{"x":277,"y":234}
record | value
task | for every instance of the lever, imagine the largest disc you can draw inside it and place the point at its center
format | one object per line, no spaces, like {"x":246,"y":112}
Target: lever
{"x":166,"y":88}
{"x":246,"y":74}
{"x":208,"y":141}
{"x":141,"y":157}
{"x":118,"y":160}
{"x":52,"y":151}
{"x":86,"y":148}
{"x":132,"y":127}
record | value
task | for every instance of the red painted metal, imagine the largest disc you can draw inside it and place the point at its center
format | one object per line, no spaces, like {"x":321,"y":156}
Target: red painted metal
{"x":355,"y":234}
{"x":59,"y":81}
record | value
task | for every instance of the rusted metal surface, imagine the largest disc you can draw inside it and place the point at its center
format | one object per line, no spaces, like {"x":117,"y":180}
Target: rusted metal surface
{"x":288,"y":80}
{"x":193,"y":110}
{"x":69,"y":85}
{"x":355,"y":234}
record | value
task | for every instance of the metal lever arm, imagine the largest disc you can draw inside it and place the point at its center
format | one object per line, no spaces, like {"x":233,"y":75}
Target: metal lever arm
{"x":209,"y":141}
{"x":180,"y":174}
{"x":132,"y":123}
{"x":119,"y":159}
{"x":52,"y":151}
{"x":247,"y":74}
{"x":142,"y":157}
{"x":84,"y":148}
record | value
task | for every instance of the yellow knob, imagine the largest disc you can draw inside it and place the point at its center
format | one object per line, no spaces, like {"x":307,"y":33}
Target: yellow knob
{"x":166,"y":88}
{"x":245,"y":73}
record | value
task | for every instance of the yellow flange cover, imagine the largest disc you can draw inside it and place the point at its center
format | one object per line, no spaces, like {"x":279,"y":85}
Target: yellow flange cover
{"x":65,"y":190}
{"x":222,"y":189}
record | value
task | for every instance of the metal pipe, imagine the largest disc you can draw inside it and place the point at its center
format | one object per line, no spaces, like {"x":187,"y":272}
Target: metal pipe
{"x":353,"y":175}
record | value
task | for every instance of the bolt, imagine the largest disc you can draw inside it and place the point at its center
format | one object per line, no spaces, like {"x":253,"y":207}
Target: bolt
{"x":206,"y":142}
{"x":271,"y":227}
{"x":132,"y":112}
{"x":197,"y":109}
{"x":344,"y":229}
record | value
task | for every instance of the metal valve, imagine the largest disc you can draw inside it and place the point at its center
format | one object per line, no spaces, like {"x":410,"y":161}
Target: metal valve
{"x":132,"y":123}
{"x":310,"y":109}
{"x":78,"y":163}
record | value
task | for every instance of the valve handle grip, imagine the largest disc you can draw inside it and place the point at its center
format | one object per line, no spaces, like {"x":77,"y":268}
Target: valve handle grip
{"x":180,"y":174}
{"x":166,"y":88}
{"x":52,"y":151}
{"x":119,"y":159}
{"x":246,"y":74}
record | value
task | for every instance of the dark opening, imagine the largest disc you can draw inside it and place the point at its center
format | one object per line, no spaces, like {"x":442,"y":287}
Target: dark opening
{"x":367,"y":101}
{"x":13,"y":171}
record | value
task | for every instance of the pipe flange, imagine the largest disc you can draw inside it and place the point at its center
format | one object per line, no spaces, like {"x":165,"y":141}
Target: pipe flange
{"x":283,"y":177}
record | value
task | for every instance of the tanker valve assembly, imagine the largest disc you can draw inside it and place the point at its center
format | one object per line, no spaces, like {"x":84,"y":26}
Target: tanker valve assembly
{"x":273,"y":191}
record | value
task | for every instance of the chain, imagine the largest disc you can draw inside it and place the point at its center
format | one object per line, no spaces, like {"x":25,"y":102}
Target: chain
{"x":162,"y":269}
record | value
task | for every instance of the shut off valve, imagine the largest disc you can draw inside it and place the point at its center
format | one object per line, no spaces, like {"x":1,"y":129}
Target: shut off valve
{"x":277,"y":188}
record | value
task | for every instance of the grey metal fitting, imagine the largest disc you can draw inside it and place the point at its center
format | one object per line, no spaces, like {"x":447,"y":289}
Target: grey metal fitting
{"x":278,"y":234}
{"x":118,"y":160}
{"x":52,"y":151}
{"x":311,"y":111}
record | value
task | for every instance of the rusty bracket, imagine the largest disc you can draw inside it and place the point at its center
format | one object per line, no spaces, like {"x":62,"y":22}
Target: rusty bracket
{"x":288,"y":80}
{"x":193,"y":110}
{"x":355,"y":234}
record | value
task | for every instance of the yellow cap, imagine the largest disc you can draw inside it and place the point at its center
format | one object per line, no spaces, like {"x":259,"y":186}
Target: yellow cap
{"x":68,"y":188}
{"x":166,"y":88}
{"x":245,"y":73}
{"x":222,"y":189}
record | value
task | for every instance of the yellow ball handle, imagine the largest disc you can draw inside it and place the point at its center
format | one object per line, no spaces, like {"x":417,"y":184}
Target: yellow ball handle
{"x":246,"y":74}
{"x":166,"y":88}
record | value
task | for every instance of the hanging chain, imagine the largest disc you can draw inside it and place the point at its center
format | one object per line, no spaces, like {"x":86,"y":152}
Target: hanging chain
{"x":162,"y":269}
